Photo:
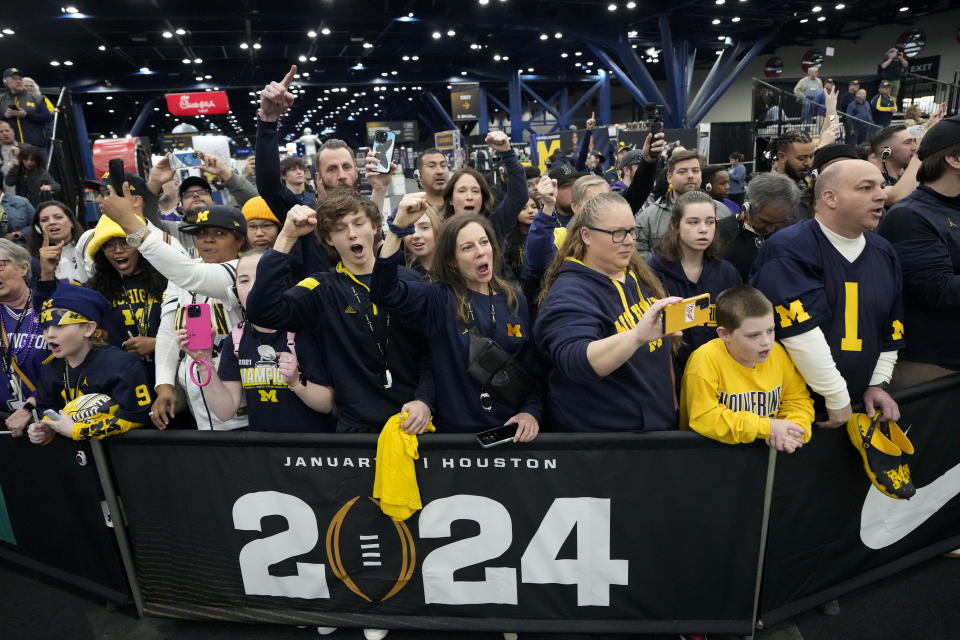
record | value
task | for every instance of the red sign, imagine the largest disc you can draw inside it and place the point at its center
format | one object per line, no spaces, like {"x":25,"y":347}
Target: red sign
{"x":198,"y":104}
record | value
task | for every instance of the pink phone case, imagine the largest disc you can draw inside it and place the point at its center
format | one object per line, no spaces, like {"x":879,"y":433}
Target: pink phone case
{"x":197,"y":323}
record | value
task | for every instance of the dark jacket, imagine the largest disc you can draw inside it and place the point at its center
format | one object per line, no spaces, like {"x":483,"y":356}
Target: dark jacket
{"x":924,"y":229}
{"x":583,"y":306}
{"x":715,"y":277}
{"x":30,"y":128}
{"x":308,"y":255}
{"x":336,"y":307}
{"x":431,"y":308}
{"x":28,"y":184}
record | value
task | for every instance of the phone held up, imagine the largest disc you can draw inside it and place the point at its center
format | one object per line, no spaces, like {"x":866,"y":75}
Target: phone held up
{"x":383,"y":143}
{"x":115,"y":170}
{"x":691,"y":312}
{"x":654,"y":116}
{"x":497,"y":435}
{"x":185,"y":159}
{"x":197,"y":323}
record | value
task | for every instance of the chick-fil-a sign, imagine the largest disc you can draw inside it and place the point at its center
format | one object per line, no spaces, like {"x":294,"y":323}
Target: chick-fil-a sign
{"x":198,"y":104}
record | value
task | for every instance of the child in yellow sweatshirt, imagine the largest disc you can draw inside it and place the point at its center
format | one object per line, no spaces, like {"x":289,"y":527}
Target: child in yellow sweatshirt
{"x":742,"y":385}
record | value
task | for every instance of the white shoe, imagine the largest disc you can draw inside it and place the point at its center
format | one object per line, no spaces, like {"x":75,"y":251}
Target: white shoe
{"x":325,"y":631}
{"x":375,"y":634}
{"x":508,"y":635}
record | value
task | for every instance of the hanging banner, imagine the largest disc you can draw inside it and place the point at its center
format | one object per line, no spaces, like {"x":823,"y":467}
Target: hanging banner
{"x":625,"y":533}
{"x":465,"y":101}
{"x":198,"y":104}
{"x":54,"y":519}
{"x":831,"y":531}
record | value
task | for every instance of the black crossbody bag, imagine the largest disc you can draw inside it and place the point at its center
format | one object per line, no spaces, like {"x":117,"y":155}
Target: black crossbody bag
{"x":501,"y":375}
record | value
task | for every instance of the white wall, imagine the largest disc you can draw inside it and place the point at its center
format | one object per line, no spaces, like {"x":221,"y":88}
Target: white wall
{"x":852,"y":59}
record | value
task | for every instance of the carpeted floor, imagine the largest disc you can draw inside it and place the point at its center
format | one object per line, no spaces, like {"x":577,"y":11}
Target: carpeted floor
{"x":921,"y":603}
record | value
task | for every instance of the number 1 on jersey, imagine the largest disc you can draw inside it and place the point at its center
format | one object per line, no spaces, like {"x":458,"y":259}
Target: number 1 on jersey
{"x":850,"y":341}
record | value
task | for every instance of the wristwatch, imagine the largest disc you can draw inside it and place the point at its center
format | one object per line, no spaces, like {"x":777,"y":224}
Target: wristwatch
{"x":135,"y":239}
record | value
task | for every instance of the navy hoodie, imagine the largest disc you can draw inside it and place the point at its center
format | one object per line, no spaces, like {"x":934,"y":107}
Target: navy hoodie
{"x":716,"y":276}
{"x":431,"y":308}
{"x":335,"y":307}
{"x":583,"y":306}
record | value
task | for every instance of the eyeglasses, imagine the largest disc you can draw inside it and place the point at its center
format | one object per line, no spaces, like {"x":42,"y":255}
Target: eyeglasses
{"x":618,"y":235}
{"x":196,"y":192}
{"x":115,"y":243}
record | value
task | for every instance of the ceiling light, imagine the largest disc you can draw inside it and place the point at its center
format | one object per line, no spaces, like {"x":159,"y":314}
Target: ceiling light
{"x":804,"y":20}
{"x":715,"y":21}
{"x":167,"y":34}
{"x":54,"y":63}
{"x":109,"y":97}
{"x":558,"y":35}
{"x":367,"y":45}
{"x":313,"y":58}
{"x":902,"y":9}
{"x":144,"y":69}
{"x":198,"y":60}
{"x":436,"y":35}
{"x":451,"y":33}
{"x":564,"y":54}
{"x":496,"y":57}
{"x":302,"y":58}
{"x":359,"y":66}
{"x":505,"y":57}
{"x":735,"y":19}
{"x":817,"y":9}
{"x":544,"y":36}
{"x":393,"y":73}
{"x":578,"y":53}
{"x":529,"y":69}
{"x":199,"y":78}
{"x":840,"y":7}
{"x":415,"y":58}
{"x":463,"y":73}
{"x":244,"y":45}
{"x":208,"y":77}
{"x":631,"y":5}
{"x":257,"y":45}
{"x":821,"y":19}
{"x":484,"y":1}
{"x":325,"y":31}
{"x":102,"y":47}
{"x":612,"y":6}
{"x":181,"y":32}
{"x":69,"y":63}
{"x":311,"y":34}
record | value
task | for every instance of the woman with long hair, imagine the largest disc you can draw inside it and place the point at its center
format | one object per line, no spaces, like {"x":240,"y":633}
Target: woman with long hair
{"x":599,"y":326}
{"x":689,"y":263}
{"x":30,"y":178}
{"x":421,"y":245}
{"x":466,"y":302}
{"x":56,"y":226}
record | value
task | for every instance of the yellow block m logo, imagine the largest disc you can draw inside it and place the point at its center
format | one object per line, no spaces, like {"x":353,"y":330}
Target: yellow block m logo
{"x":203,"y":215}
{"x":513,"y":331}
{"x":795,"y":313}
{"x":267,"y":396}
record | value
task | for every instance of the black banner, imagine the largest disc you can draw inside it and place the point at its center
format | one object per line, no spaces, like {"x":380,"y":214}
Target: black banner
{"x":831,"y":531}
{"x":51,"y":517}
{"x":656,"y":533}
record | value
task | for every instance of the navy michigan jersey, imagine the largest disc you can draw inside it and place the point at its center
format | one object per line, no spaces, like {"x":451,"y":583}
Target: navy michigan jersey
{"x":108,"y":370}
{"x":857,"y":305}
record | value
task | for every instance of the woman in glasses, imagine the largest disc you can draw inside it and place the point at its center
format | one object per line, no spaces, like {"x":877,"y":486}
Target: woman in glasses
{"x":600,"y":328}
{"x":689,"y":263}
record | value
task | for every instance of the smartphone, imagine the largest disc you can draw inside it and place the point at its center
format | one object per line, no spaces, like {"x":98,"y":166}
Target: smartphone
{"x":197,"y":323}
{"x":654,"y":115}
{"x":691,"y":312}
{"x":497,"y":435}
{"x":383,"y":142}
{"x":115,"y":168}
{"x":185,"y":159}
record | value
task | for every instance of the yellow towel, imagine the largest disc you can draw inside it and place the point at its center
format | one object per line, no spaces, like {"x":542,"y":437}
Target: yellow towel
{"x":395,"y":481}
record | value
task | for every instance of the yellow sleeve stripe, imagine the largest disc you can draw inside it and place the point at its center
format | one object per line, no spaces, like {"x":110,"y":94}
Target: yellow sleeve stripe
{"x":308,"y":283}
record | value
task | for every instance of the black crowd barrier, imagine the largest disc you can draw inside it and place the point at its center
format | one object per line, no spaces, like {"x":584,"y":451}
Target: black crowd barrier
{"x":660,"y":533}
{"x":52,"y":516}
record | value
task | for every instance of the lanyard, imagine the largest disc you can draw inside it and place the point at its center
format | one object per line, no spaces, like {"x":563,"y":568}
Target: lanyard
{"x":493,"y":317}
{"x":10,"y":365}
{"x":616,"y":283}
{"x":387,"y":382}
